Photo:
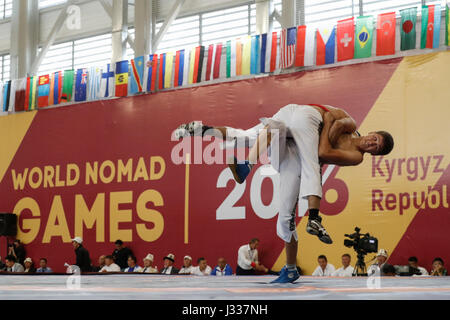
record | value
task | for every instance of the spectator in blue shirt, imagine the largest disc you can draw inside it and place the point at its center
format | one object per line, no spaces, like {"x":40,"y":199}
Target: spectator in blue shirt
{"x":43,"y":266}
{"x":222,"y":269}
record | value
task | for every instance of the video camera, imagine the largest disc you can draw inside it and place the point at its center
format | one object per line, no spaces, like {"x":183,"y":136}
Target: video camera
{"x":407,"y":271}
{"x":362,"y":243}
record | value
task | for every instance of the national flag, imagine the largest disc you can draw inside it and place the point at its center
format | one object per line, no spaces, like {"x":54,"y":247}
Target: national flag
{"x":229,"y":48}
{"x":254,"y":56}
{"x":179,"y":69}
{"x":168,"y":71}
{"x":187,"y":58}
{"x":386,"y":34}
{"x":364,"y":37}
{"x":68,"y":86}
{"x":238,"y":57}
{"x":263,"y":52}
{"x":122,"y":78}
{"x":431,"y":26}
{"x":94,"y":82}
{"x":408,"y":28}
{"x":81,"y":85}
{"x":1,"y":97}
{"x":162,"y":70}
{"x":51,"y":96}
{"x":137,"y":75}
{"x":21,"y":91}
{"x":217,"y":61}
{"x":107,"y":83}
{"x":12,"y":98}
{"x":326,"y":40}
{"x":209,"y":62}
{"x":58,"y":86}
{"x":43,"y":91}
{"x":304,"y":54}
{"x":199,"y":62}
{"x":447,"y":25}
{"x":30,"y":93}
{"x":287,"y":47}
{"x":6,"y":95}
{"x":246,"y":55}
{"x":151,"y":72}
{"x":346,"y":39}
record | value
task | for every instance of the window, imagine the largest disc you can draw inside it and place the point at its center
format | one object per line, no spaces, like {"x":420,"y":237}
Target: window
{"x":5,"y":8}
{"x":326,"y":11}
{"x":5,"y":62}
{"x":92,"y":51}
{"x":375,"y":7}
{"x":59,"y":57}
{"x":183,"y":33}
{"x":50,"y":3}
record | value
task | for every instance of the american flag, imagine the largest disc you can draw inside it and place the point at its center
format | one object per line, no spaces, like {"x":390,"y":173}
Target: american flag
{"x":287,"y":47}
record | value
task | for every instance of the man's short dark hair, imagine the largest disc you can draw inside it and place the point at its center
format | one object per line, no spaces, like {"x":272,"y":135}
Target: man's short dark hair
{"x":200,"y":260}
{"x":438,"y":259}
{"x":132,"y":258}
{"x":388,"y":268}
{"x":10,"y":257}
{"x":254,"y":240}
{"x":388,"y":143}
{"x":119,"y":242}
{"x":109,"y":257}
{"x":346,"y":255}
{"x":413,"y":259}
{"x":322,"y":257}
{"x":45,"y":259}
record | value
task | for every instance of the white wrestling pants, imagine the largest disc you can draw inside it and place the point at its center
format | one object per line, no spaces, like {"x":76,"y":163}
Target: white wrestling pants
{"x":298,"y":160}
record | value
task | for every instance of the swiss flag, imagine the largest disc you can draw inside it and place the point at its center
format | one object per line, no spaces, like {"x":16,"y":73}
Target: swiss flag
{"x":346,"y":39}
{"x":386,"y":34}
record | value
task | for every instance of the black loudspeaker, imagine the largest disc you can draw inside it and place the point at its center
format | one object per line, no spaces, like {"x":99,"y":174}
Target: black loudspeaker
{"x":8,"y":224}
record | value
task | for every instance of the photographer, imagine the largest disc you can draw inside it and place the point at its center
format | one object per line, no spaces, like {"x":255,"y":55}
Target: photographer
{"x":382,"y":257}
{"x":413,"y":264}
{"x":17,"y":250}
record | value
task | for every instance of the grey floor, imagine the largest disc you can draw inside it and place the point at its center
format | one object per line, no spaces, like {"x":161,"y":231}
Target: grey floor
{"x":155,"y":287}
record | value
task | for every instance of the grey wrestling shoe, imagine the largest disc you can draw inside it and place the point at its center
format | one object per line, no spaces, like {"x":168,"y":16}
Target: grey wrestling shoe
{"x":189,"y":129}
{"x":315,"y":228}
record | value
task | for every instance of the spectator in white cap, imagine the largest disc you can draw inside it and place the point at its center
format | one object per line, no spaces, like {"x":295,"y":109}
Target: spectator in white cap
{"x":187,"y":266}
{"x":148,"y":265}
{"x":83,"y":261}
{"x":168,"y":265}
{"x":202,"y":269}
{"x":377,"y":267}
{"x":110,"y":266}
{"x":29,"y":265}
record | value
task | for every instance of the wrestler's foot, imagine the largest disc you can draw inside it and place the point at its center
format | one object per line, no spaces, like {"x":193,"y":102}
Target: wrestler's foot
{"x":287,"y":276}
{"x":189,"y":129}
{"x":240,"y":170}
{"x":315,"y":228}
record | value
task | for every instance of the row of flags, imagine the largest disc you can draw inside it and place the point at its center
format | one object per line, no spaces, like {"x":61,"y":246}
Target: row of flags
{"x":292,"y":47}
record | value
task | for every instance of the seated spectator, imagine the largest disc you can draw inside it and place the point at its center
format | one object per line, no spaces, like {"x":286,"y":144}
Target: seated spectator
{"x":324,"y":269}
{"x":438,"y":268}
{"x":413,"y":263}
{"x":148,"y":265}
{"x":29,"y":265}
{"x":110,"y":266}
{"x":12,"y":265}
{"x":388,"y":270}
{"x":2,"y":265}
{"x":132,"y":266}
{"x":248,"y":263}
{"x":121,"y":254}
{"x":101,"y":264}
{"x":346,"y":270}
{"x":17,"y":250}
{"x":187,"y":266}
{"x":382,"y":257}
{"x":202,"y":269}
{"x":168,"y":265}
{"x":43,"y":266}
{"x":222,"y":269}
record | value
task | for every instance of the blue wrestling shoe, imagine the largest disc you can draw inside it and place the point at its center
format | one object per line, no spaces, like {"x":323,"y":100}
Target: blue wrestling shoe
{"x":287,"y":276}
{"x":240,"y":170}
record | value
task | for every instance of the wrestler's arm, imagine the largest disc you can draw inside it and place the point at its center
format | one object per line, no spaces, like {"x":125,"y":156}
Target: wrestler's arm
{"x":343,"y":124}
{"x":329,"y":155}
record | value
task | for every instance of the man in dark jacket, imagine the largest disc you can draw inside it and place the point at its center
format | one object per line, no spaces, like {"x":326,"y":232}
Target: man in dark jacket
{"x":83,"y":259}
{"x":121,"y":254}
{"x":168,"y":265}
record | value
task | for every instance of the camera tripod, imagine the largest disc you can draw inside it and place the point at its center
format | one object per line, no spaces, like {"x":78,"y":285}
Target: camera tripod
{"x":360,"y":266}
